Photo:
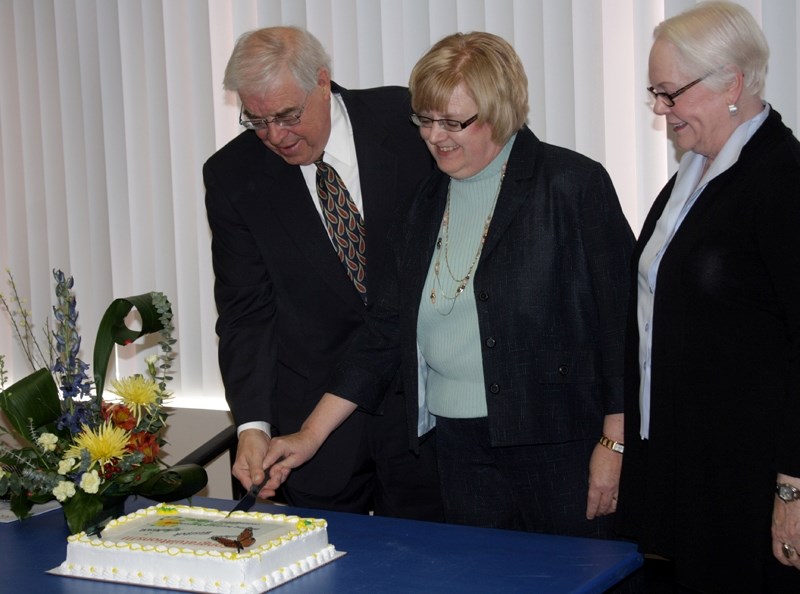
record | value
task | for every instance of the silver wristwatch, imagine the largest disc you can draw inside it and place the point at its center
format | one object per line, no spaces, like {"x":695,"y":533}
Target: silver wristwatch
{"x":787,"y":492}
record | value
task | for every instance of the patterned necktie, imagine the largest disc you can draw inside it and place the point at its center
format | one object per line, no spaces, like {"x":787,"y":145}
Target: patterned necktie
{"x":344,"y":223}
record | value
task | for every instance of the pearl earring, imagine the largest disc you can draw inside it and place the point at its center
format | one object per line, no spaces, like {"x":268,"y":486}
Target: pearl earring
{"x":733,"y":109}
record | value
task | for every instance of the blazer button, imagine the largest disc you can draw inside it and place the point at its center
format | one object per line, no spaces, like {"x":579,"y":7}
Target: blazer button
{"x":494,"y":389}
{"x":563,"y":370}
{"x":483,"y":296}
{"x":490,"y":342}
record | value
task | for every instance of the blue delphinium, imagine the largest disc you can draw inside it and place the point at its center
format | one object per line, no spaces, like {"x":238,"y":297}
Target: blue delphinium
{"x":78,"y":415}
{"x":74,"y":383}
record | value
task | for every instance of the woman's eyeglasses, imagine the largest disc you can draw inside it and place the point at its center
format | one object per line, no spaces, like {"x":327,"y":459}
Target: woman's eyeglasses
{"x":669,"y":98}
{"x":447,"y":124}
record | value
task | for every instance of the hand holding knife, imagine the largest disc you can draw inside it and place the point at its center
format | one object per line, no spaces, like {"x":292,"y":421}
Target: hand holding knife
{"x":249,"y":499}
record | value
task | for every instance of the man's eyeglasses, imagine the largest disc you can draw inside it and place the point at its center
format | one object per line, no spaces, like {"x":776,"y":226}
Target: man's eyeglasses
{"x":669,"y":98}
{"x":449,"y":125}
{"x":284,"y":120}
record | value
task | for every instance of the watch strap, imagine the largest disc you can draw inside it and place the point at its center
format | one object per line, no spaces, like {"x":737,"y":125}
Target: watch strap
{"x":614,"y":446}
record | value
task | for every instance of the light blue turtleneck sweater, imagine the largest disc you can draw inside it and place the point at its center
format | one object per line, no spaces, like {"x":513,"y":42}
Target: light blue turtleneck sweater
{"x":447,"y":330}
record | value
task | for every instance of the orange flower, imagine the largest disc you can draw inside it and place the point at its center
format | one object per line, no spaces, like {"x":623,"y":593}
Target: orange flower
{"x":146,"y":443}
{"x":120,"y":415}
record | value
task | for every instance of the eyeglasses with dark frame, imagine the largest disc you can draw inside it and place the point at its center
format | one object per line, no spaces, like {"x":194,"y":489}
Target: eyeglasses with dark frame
{"x":448,"y":124}
{"x":669,"y":98}
{"x":286,"y":120}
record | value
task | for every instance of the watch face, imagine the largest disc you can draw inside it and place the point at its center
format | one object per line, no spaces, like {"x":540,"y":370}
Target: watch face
{"x":787,"y":493}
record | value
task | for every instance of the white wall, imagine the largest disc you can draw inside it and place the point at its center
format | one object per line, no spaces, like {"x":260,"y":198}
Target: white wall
{"x":190,"y":428}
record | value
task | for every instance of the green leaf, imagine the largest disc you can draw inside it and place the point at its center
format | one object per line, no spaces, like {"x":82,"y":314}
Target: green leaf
{"x":81,"y":510}
{"x":175,"y":483}
{"x":21,"y":505}
{"x":31,"y":403}
{"x":112,"y":330}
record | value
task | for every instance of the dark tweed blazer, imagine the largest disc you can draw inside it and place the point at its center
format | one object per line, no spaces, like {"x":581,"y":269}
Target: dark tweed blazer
{"x":551,"y":290}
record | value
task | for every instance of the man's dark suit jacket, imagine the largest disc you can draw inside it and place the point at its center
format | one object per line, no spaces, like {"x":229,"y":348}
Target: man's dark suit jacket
{"x":551,"y":288}
{"x":287,"y":309}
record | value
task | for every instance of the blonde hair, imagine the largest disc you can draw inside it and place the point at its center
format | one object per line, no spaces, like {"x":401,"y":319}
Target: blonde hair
{"x":490,"y":71}
{"x":260,"y":57}
{"x":714,"y":35}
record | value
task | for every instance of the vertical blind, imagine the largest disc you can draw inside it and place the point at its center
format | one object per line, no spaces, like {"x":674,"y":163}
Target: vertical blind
{"x":108,"y":109}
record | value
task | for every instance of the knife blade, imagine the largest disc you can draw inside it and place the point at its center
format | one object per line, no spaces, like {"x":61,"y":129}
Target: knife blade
{"x":249,"y":499}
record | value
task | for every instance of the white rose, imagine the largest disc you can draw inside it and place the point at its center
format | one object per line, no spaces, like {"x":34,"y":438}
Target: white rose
{"x":64,"y":490}
{"x":66,"y":465}
{"x":90,"y":481}
{"x":47,"y":441}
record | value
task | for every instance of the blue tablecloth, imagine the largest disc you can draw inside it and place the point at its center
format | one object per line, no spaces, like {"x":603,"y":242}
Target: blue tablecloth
{"x":384,"y":555}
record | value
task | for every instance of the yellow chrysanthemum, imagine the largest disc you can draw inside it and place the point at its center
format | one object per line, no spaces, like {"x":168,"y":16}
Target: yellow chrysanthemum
{"x":104,"y":444}
{"x":137,"y":392}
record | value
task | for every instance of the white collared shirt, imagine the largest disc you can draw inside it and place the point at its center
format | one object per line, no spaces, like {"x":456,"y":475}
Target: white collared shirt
{"x":689,"y":184}
{"x":340,"y":153}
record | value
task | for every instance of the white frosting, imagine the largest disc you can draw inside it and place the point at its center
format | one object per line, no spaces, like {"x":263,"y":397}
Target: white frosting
{"x":171,"y":546}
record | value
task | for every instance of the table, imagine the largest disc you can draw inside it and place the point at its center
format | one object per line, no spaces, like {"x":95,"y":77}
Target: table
{"x":383,"y":555}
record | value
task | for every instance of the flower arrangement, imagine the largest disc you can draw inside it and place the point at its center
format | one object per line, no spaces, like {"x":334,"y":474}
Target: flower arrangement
{"x":87,"y":452}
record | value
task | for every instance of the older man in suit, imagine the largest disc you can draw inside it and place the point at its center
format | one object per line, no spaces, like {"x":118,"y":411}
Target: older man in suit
{"x":299,"y":206}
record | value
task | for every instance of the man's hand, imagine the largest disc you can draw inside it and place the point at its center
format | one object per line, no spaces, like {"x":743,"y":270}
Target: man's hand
{"x":250,"y":460}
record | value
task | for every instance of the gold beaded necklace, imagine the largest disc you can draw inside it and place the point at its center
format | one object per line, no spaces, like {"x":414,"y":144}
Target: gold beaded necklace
{"x":445,"y":232}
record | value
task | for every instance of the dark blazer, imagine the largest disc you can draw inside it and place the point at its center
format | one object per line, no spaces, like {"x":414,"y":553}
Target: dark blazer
{"x":287,"y":309}
{"x":550,"y":288}
{"x":725,"y":412}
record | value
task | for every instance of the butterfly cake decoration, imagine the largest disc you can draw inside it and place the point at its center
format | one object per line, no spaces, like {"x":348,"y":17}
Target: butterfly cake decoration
{"x":241,"y":542}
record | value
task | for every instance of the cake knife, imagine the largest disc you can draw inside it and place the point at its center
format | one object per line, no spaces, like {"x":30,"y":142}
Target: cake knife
{"x":249,"y":499}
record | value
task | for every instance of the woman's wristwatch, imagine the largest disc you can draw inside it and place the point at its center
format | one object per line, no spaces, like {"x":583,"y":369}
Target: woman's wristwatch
{"x":787,"y":492}
{"x":614,"y":446}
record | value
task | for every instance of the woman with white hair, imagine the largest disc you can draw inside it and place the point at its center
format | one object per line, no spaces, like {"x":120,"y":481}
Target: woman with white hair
{"x":711,"y":472}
